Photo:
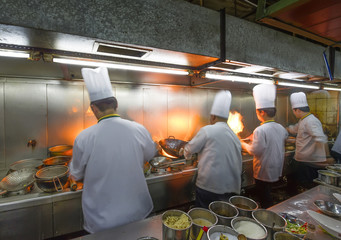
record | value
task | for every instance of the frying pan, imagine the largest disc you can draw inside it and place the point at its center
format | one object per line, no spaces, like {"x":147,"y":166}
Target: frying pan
{"x":172,"y":146}
{"x":57,"y":160}
{"x":22,"y":179}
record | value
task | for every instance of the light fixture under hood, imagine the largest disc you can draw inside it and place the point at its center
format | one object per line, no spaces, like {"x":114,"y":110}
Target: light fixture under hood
{"x":92,"y":63}
{"x":234,"y":78}
{"x":14,"y":54}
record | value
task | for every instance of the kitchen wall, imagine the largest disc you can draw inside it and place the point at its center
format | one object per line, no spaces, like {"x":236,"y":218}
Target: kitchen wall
{"x":54,"y":112}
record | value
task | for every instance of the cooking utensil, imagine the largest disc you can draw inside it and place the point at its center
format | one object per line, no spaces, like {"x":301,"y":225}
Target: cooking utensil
{"x":53,"y":178}
{"x":22,"y":179}
{"x":61,"y":150}
{"x":244,"y":205}
{"x":328,"y":208}
{"x":270,"y":220}
{"x":73,"y":184}
{"x":57,"y":160}
{"x":34,"y":163}
{"x":172,"y":146}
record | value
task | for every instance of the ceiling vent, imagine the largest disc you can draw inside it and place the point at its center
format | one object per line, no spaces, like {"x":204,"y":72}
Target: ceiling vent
{"x":120,"y":50}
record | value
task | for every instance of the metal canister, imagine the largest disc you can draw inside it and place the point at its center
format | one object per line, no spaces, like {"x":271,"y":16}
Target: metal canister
{"x":169,"y":233}
{"x":224,"y":211}
{"x":201,"y":213}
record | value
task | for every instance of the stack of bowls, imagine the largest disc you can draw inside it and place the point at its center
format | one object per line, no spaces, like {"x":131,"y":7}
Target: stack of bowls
{"x":244,"y":205}
{"x":224,"y":211}
{"x":270,"y":220}
{"x":201,"y":217}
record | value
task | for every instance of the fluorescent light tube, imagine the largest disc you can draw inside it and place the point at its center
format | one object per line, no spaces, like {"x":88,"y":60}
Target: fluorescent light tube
{"x":298,"y":85}
{"x":332,"y":89}
{"x":14,"y":54}
{"x":118,"y":66}
{"x":238,"y":78}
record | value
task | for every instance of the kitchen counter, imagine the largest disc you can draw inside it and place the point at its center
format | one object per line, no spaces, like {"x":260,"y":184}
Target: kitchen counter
{"x":152,"y":226}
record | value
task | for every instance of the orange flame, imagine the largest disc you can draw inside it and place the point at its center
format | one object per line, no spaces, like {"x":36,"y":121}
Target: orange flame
{"x":235,"y":122}
{"x":166,"y":154}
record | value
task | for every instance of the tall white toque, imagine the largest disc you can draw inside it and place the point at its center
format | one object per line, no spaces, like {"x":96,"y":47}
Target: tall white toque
{"x":221,"y":104}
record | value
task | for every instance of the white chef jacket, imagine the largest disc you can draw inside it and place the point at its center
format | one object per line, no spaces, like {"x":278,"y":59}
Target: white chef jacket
{"x":219,"y":158}
{"x":310,"y":140}
{"x":109,"y":157}
{"x":337,"y":145}
{"x":268,"y":149}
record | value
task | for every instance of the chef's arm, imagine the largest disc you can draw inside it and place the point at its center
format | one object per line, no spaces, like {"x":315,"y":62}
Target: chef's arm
{"x":292,"y":129}
{"x":195,"y":145}
{"x":78,"y":162}
{"x":316,"y":131}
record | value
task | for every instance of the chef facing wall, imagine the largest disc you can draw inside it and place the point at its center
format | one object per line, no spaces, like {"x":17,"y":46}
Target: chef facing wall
{"x":54,"y":112}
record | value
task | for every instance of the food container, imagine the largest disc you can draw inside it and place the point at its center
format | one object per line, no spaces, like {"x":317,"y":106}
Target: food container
{"x":329,"y":208}
{"x":201,"y":217}
{"x":60,"y":150}
{"x":57,"y":160}
{"x":270,"y":220}
{"x":53,"y":178}
{"x":329,"y":177}
{"x":252,"y":229}
{"x":334,"y":169}
{"x":224,"y":211}
{"x":169,"y":233}
{"x":285,"y":236}
{"x":244,"y":205}
{"x":215,"y":231}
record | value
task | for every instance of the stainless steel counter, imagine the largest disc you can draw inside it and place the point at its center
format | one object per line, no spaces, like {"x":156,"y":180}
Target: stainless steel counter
{"x":152,"y":226}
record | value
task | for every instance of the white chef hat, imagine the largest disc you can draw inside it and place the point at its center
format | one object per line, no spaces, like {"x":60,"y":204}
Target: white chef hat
{"x":221,"y":104}
{"x":264,"y":95}
{"x":97,"y":82}
{"x":298,"y":100}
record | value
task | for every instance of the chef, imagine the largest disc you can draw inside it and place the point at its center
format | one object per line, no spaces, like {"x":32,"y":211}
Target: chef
{"x":109,"y":157}
{"x":268,"y":146}
{"x":310,"y":141}
{"x":219,"y":155}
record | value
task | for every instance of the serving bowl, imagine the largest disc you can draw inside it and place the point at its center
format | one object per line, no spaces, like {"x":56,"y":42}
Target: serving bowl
{"x":224,"y":211}
{"x":285,"y":236}
{"x":248,"y":227}
{"x":329,"y":208}
{"x":270,"y":220}
{"x":244,"y":205}
{"x":215,"y":231}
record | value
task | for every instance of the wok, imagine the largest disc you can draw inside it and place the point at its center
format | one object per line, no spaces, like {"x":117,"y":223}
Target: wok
{"x":52,"y":178}
{"x":33,"y":163}
{"x":57,"y":160}
{"x":172,"y":146}
{"x":22,"y":179}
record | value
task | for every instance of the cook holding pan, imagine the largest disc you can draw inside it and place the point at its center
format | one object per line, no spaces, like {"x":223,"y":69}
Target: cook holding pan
{"x":219,"y":155}
{"x":268,"y":145}
{"x":109,"y":158}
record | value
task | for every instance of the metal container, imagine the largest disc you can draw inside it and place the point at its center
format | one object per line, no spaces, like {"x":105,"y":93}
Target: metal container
{"x":285,"y":236}
{"x":201,"y":213}
{"x":270,"y":220}
{"x":57,"y":160}
{"x":244,"y":205}
{"x":34,"y":163}
{"x":235,"y":223}
{"x":216,"y":230}
{"x":329,"y":177}
{"x":169,"y":233}
{"x":172,"y":146}
{"x":53,"y":178}
{"x":329,"y":208}
{"x":60,"y":150}
{"x":224,"y":211}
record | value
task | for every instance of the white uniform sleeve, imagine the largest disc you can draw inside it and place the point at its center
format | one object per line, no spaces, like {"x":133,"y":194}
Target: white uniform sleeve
{"x":196,"y":144}
{"x":78,"y":162}
{"x":315,"y":130}
{"x":149,"y":149}
{"x":258,"y":145}
{"x":293,"y":129}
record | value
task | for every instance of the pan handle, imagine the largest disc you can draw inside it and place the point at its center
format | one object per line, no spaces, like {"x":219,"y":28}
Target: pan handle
{"x":73,"y":184}
{"x":55,"y":185}
{"x":3,"y":192}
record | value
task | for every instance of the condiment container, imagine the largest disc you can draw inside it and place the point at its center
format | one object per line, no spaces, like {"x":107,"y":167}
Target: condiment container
{"x":215,"y":230}
{"x":236,"y":223}
{"x":202,"y":214}
{"x":244,"y":205}
{"x":224,"y":211}
{"x":270,"y":220}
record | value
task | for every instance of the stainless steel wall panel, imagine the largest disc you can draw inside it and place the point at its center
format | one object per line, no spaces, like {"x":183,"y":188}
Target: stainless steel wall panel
{"x":155,"y":111}
{"x":65,"y":113}
{"x":2,"y":129}
{"x":25,"y":119}
{"x":178,"y":112}
{"x":130,"y":102}
{"x":282,"y":109}
{"x":89,"y":117}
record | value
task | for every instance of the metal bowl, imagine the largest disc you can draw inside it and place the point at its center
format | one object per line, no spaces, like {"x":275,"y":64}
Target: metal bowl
{"x":224,"y":211}
{"x":216,"y":230}
{"x":244,"y":205}
{"x":172,"y":233}
{"x":334,"y":168}
{"x":329,"y":177}
{"x":329,"y":208}
{"x":270,"y":220}
{"x":236,"y":224}
{"x":204,"y":214}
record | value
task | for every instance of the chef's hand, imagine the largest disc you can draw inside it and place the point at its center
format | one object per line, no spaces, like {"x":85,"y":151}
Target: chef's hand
{"x":181,"y":151}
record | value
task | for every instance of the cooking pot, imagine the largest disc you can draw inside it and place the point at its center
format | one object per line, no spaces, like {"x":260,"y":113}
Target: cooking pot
{"x":57,"y":160}
{"x":17,"y":181}
{"x":53,"y":178}
{"x":172,"y":146}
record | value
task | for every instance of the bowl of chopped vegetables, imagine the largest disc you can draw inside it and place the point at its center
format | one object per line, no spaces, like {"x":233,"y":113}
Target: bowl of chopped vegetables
{"x":295,"y":225}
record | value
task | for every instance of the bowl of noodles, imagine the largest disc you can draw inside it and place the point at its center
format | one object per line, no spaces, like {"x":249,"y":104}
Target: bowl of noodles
{"x":175,"y":225}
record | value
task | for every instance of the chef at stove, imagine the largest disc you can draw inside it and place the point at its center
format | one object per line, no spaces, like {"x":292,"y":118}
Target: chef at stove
{"x":219,"y":155}
{"x":268,"y":145}
{"x":109,"y":158}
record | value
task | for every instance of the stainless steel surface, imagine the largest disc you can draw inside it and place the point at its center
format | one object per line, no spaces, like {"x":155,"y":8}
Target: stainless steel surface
{"x":272,"y":221}
{"x":285,"y":236}
{"x":2,"y":129}
{"x":57,"y":160}
{"x":329,"y":208}
{"x":159,"y":162}
{"x":204,"y":214}
{"x":224,"y":212}
{"x":26,"y":163}
{"x":244,"y":205}
{"x":220,"y":229}
{"x":237,"y":221}
{"x":170,"y":233}
{"x":299,"y":204}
